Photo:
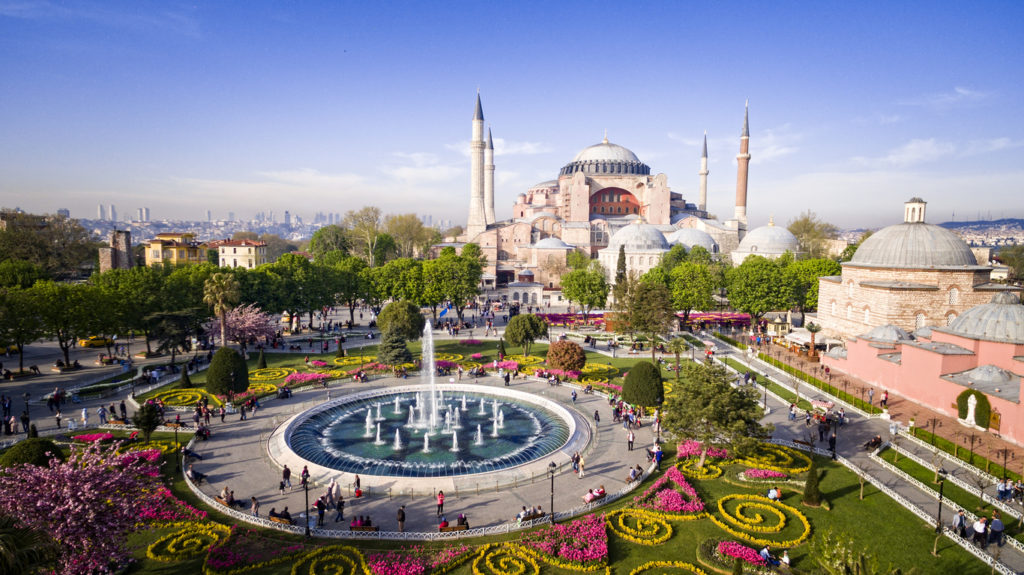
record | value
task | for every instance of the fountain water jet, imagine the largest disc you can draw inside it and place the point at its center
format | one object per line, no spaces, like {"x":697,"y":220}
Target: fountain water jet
{"x":426,"y":443}
{"x":378,"y":441}
{"x":369,"y":423}
{"x":479,"y":436}
{"x":398,"y":440}
{"x":455,"y":441}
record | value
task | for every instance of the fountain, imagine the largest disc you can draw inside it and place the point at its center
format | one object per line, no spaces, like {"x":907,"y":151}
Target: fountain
{"x":479,"y":436}
{"x":398,"y":441}
{"x":378,"y":441}
{"x":426,"y":443}
{"x":455,"y":442}
{"x":412,"y":416}
{"x":494,"y":428}
{"x":398,"y":405}
{"x":463,"y":402}
{"x":458,"y":419}
{"x":501,"y":418}
{"x":369,"y":423}
{"x":379,"y":418}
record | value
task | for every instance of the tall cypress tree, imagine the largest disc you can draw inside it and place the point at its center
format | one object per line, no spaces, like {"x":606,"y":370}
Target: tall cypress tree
{"x":812,"y":494}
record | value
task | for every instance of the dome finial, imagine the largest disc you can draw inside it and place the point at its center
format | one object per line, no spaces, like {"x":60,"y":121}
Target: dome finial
{"x":605,"y":140}
{"x":771,"y":221}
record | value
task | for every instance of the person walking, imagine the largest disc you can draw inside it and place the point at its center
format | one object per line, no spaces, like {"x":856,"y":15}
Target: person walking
{"x":321,"y":508}
{"x":254,"y":507}
{"x":630,"y":438}
{"x":582,"y":472}
{"x":340,"y":508}
{"x":832,"y":444}
{"x":960,"y":524}
{"x":57,"y":417}
{"x":597,"y":416}
{"x":102,"y":413}
{"x":124,"y":411}
{"x":871,"y":396}
{"x":305,"y":475}
{"x":401,"y":519}
{"x":85,"y":416}
{"x":885,"y":399}
{"x":286,"y":478}
{"x":440,"y":503}
{"x":223,"y":412}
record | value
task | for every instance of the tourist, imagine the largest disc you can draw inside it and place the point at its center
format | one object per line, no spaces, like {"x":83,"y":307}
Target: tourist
{"x":273,"y":513}
{"x":774,"y":494}
{"x":960,"y":524}
{"x":522,"y":514}
{"x":630,"y":438}
{"x":85,"y":417}
{"x":996,"y":529}
{"x":321,"y":508}
{"x":254,"y":507}
{"x":286,"y":516}
{"x":286,"y":478}
{"x":582,"y":470}
{"x":632,"y":475}
{"x":589,"y":496}
{"x":305,"y":475}
{"x":57,"y":417}
{"x":871,"y":396}
{"x":340,"y":508}
{"x":444,"y":522}
{"x":194,"y":475}
{"x":785,"y":558}
{"x":440,"y":503}
{"x":766,"y":555}
{"x":401,"y":519}
{"x":597,"y":417}
{"x":979,"y":529}
{"x":356,"y":522}
{"x":462,"y":521}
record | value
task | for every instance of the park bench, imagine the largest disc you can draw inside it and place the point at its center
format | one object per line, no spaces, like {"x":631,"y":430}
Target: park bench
{"x":453,"y":528}
{"x":280,"y":520}
{"x":222,"y":501}
{"x":372,"y":528}
{"x":533,"y":516}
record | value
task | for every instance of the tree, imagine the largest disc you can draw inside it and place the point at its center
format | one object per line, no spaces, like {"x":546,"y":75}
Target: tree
{"x":402,"y":279}
{"x":173,"y":331}
{"x":327,"y":239}
{"x":803,"y":276}
{"x":87,"y":505}
{"x":814,"y":329}
{"x":673,"y":257}
{"x":36,"y":451}
{"x":656,"y":275}
{"x":758,"y":286}
{"x":348,"y":285}
{"x":408,"y":232}
{"x":851,"y":249}
{"x":146,"y":419}
{"x":402,"y":318}
{"x":19,"y":322}
{"x":587,"y":288}
{"x":620,"y":274}
{"x":813,"y":234}
{"x":1012,"y":256}
{"x":228,"y":373}
{"x":19,"y":274}
{"x":692,"y":286}
{"x":577,"y":260}
{"x":678,"y":347}
{"x":501,"y":348}
{"x":812,"y":493}
{"x":707,"y":408}
{"x":221,"y":292}
{"x":276,"y":245}
{"x":261,"y":361}
{"x":459,"y":276}
{"x":66,"y":311}
{"x":524,"y":329}
{"x":364,"y":228}
{"x":136,"y":294}
{"x":386,"y":248}
{"x":566,"y":355}
{"x":25,"y":550}
{"x":246,"y":323}
{"x":58,"y":245}
{"x":393,"y":350}
{"x":650,"y":312}
{"x":643,"y":385}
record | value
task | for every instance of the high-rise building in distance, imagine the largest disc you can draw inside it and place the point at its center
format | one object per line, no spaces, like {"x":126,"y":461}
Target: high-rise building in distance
{"x":101,"y":213}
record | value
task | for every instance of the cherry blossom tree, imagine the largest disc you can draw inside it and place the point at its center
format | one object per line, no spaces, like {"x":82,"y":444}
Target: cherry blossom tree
{"x":245,"y":323}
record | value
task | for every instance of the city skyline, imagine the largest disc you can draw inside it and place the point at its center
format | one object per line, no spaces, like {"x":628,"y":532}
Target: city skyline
{"x":326,"y":108}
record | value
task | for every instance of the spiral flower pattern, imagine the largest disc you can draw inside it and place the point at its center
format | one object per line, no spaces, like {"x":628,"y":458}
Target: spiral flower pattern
{"x":526,"y":360}
{"x":502,"y":560}
{"x":778,"y":458}
{"x":669,"y":567}
{"x":269,"y":374}
{"x":262,"y":388}
{"x":186,"y":543}
{"x":331,"y":560}
{"x":354,"y":360}
{"x":593,"y":379}
{"x":747,"y":516}
{"x":184,"y":397}
{"x":689,"y":468}
{"x":639,"y":527}
{"x":600,"y":369}
{"x":447,"y":356}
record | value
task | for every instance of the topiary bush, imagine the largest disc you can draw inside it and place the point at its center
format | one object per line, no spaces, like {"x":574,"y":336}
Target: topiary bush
{"x":643,"y":385}
{"x":32,"y":451}
{"x":147,"y":419}
{"x":812,"y":493}
{"x":186,"y":381}
{"x":567,"y":355}
{"x":982,"y":411}
{"x":402,"y":317}
{"x":228,"y":373}
{"x":261,"y":362}
{"x":392,"y":350}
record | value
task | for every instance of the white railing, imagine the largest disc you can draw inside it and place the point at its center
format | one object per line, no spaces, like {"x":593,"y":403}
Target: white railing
{"x":905,"y":433}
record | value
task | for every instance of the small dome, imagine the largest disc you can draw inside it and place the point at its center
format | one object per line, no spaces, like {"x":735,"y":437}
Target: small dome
{"x":770,"y":241}
{"x":888,"y":333}
{"x":638,"y":237}
{"x":914,"y":245}
{"x":552,"y":244}
{"x":545,"y":185}
{"x":989,"y":374}
{"x":690,"y":237}
{"x":1002,"y":319}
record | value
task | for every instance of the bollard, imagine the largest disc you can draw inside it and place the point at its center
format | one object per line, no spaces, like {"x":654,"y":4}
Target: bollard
{"x":478,"y":489}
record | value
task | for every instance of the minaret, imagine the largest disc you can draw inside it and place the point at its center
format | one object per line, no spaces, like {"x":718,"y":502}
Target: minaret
{"x":703,"y":205}
{"x":489,"y":179}
{"x":477,"y":222}
{"x":742,"y":166}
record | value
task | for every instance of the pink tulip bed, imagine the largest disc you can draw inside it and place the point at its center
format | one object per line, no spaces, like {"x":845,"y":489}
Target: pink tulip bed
{"x":245,"y":547}
{"x":582,"y":542}
{"x":667,"y":495}
{"x":470,"y":342}
{"x":318,"y":363}
{"x":562,"y":373}
{"x":476,"y":356}
{"x":764,"y":474}
{"x":692,"y":448}
{"x":305,"y":378}
{"x":414,"y":561}
{"x":730,"y":550}
{"x":93,"y":437}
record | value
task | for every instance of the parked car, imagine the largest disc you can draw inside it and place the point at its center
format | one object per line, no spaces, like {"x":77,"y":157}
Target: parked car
{"x":95,"y":341}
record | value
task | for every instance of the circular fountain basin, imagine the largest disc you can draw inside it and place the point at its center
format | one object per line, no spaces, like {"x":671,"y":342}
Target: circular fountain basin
{"x":356,"y":434}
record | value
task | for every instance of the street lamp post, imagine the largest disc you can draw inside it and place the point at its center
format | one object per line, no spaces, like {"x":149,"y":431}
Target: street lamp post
{"x":177,"y":449}
{"x":551,"y":470}
{"x":27,"y":396}
{"x":938,"y":516}
{"x":305,"y":484}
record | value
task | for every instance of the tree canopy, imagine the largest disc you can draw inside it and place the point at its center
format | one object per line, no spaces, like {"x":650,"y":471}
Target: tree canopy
{"x":643,"y":385}
{"x":692,"y":287}
{"x":402,"y":318}
{"x":802,"y":275}
{"x":586,"y":287}
{"x":524,"y":329}
{"x":758,"y":286}
{"x":813,"y":234}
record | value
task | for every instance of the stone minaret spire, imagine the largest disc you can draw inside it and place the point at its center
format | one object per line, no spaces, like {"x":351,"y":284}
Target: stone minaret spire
{"x":489,"y":179}
{"x":477,"y":221}
{"x":742,"y":167}
{"x":703,"y":205}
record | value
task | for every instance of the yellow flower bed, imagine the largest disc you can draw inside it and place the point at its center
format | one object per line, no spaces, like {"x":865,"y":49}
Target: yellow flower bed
{"x":527,"y":369}
{"x":504,"y":560}
{"x":593,"y":379}
{"x":269,"y":374}
{"x":468,"y":365}
{"x":755,"y":521}
{"x":354,"y":360}
{"x":525,"y":360}
{"x":689,"y":468}
{"x":778,"y":458}
{"x":191,"y":541}
{"x":556,"y":562}
{"x":446,"y":356}
{"x":334,"y":559}
{"x":600,"y":369}
{"x":638,"y":526}
{"x":668,"y":388}
{"x":262,"y":388}
{"x":184,"y":397}
{"x":165,"y":447}
{"x":662,"y":565}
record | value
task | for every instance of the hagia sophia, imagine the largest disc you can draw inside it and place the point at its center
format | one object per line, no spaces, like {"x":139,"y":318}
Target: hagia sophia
{"x":606,"y":197}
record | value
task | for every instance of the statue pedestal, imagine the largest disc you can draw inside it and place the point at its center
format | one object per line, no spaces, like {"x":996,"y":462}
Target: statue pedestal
{"x":970,"y":424}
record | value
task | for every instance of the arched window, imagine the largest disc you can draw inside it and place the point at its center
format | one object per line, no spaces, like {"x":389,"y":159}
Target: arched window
{"x":919,"y":321}
{"x":515,"y":296}
{"x":954,"y":296}
{"x":950,"y":318}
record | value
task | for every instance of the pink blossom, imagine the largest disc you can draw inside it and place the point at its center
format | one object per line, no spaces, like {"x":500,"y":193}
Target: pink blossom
{"x":764,"y":474}
{"x":666,"y":494}
{"x":297,"y":378}
{"x":581,"y":541}
{"x":477,"y":356}
{"x":93,"y":437}
{"x":693,"y":448}
{"x":736,"y":550}
{"x":318,"y":363}
{"x":470,"y":342}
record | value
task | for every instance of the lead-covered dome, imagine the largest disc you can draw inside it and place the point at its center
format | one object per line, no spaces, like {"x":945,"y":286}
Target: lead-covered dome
{"x":1002,"y":319}
{"x":769,"y":241}
{"x":606,"y":158}
{"x":690,"y":237}
{"x":552,"y":243}
{"x":889,"y":334}
{"x":914,"y":245}
{"x":638,"y":237}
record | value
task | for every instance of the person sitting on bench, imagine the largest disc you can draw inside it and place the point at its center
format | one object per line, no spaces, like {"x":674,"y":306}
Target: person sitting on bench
{"x":462,"y":520}
{"x":874,"y":443}
{"x":444,"y":522}
{"x":285,"y":515}
{"x":774,"y":494}
{"x":188,"y":453}
{"x":194,"y":475}
{"x":273,"y":513}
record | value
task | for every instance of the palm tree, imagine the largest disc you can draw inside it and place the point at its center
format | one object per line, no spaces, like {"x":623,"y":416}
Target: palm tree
{"x":678,"y":347}
{"x":24,"y":550}
{"x":221,"y":292}
{"x":813,"y":328}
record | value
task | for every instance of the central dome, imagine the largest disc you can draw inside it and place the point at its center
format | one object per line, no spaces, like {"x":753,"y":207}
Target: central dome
{"x":606,"y":151}
{"x":914,"y":245}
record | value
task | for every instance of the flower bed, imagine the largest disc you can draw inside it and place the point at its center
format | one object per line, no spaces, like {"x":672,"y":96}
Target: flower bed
{"x":470,"y":342}
{"x":690,"y":469}
{"x":306,"y":378}
{"x":267,"y":374}
{"x":184,"y":397}
{"x":661,"y":565}
{"x":729,"y":550}
{"x":639,"y":526}
{"x":476,"y":356}
{"x":754,"y":473}
{"x":245,"y":551}
{"x":746,"y":516}
{"x":666,"y":495}
{"x":94,"y":437}
{"x":693,"y":448}
{"x":580,"y":542}
{"x":778,"y":458}
{"x":192,"y":540}
{"x":318,"y":363}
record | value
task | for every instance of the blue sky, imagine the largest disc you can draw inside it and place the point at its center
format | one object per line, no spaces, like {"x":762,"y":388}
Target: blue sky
{"x":329,"y":106}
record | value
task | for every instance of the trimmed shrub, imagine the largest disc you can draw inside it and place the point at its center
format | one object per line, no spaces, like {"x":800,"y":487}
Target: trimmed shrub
{"x":147,"y":419}
{"x":566,"y":355}
{"x":403,"y":318}
{"x":392,"y":349}
{"x":812,"y":493}
{"x":643,"y":385}
{"x":261,"y":362}
{"x":228,"y":373}
{"x":32,"y":451}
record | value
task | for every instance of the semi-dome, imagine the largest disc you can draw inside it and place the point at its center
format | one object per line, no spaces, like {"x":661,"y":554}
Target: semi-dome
{"x":690,"y":237}
{"x":770,"y":241}
{"x":552,"y":243}
{"x":606,"y":158}
{"x":638,"y":237}
{"x":1002,"y":319}
{"x":914,"y":245}
{"x":888,"y":333}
